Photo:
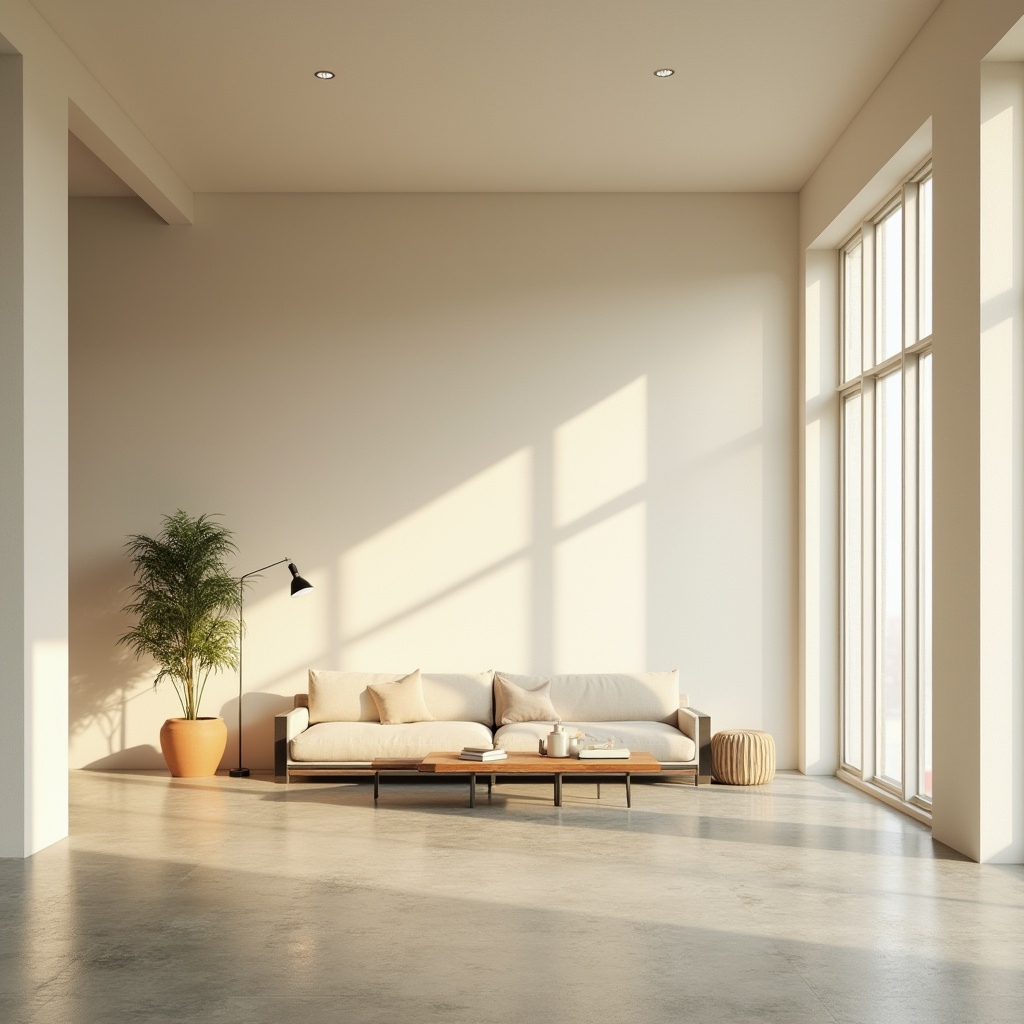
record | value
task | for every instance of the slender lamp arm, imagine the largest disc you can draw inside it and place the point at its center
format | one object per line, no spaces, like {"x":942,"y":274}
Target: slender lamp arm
{"x":298,"y":586}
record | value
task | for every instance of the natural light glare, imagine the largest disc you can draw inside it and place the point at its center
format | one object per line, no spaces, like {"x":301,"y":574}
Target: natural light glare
{"x":812,"y":349}
{"x":998,"y":150}
{"x":889,"y":574}
{"x":889,"y":285}
{"x":812,"y":581}
{"x":924,"y":270}
{"x":283,"y":635}
{"x":602,"y":453}
{"x":852,"y":312}
{"x":469,"y":628}
{"x":442,"y":546}
{"x":601,"y":596}
{"x":852,"y":579}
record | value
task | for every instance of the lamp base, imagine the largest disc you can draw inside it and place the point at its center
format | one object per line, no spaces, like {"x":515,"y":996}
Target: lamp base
{"x":239,"y":773}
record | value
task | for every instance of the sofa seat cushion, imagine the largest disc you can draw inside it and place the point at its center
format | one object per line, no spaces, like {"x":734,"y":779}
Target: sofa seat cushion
{"x":665,"y":742}
{"x":365,"y":741}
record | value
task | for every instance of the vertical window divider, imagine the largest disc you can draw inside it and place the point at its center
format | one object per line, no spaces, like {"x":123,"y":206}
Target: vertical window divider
{"x":910,"y":576}
{"x":868,"y":667}
{"x":911,"y":307}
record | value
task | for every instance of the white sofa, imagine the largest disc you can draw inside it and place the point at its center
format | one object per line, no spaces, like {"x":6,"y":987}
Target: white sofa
{"x":334,"y":729}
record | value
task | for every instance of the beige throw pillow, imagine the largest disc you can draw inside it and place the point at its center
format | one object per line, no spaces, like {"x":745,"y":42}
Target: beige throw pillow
{"x":401,"y":701}
{"x":515,"y":704}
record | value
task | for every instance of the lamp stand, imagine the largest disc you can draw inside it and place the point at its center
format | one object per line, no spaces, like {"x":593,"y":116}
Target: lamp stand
{"x":298,"y":586}
{"x":240,"y":772}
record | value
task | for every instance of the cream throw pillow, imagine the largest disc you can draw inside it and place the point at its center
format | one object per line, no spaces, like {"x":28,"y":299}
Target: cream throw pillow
{"x":401,"y":701}
{"x":516,"y":704}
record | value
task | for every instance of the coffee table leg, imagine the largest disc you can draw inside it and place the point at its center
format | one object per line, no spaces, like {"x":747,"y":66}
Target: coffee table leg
{"x":558,"y":789}
{"x":629,"y":802}
{"x":376,"y":786}
{"x":472,"y":790}
{"x":599,"y":791}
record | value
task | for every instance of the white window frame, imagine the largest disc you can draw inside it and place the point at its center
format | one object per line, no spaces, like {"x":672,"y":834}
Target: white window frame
{"x":909,"y":790}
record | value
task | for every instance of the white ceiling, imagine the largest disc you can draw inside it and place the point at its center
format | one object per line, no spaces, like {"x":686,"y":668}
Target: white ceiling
{"x":489,"y":95}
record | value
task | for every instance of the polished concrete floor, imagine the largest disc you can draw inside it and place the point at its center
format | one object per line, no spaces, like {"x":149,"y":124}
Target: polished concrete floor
{"x":222,"y":900}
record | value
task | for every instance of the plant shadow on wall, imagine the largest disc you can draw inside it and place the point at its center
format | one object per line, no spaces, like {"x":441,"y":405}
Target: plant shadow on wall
{"x":185,"y":606}
{"x":107,"y":679}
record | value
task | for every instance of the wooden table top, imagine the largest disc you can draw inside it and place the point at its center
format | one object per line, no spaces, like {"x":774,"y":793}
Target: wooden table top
{"x":526,"y":763}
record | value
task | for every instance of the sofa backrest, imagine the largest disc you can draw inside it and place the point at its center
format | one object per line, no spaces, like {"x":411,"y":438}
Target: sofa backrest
{"x":450,"y":697}
{"x":611,"y":697}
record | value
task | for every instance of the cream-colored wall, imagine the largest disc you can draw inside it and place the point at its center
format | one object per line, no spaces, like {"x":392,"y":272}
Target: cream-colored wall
{"x":932,"y":99}
{"x":544,"y":433}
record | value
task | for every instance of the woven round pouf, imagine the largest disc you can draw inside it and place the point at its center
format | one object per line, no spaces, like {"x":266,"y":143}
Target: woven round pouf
{"x":743,"y":757}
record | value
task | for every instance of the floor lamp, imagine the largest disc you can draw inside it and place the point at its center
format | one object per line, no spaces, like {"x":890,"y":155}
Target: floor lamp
{"x":299,"y":586}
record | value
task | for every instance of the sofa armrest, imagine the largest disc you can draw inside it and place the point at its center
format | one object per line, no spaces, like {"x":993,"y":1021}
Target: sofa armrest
{"x":286,"y":727}
{"x":697,"y":726}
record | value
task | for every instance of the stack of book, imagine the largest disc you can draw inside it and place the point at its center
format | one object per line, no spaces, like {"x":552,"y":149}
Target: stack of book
{"x":604,"y":753}
{"x":482,"y":754}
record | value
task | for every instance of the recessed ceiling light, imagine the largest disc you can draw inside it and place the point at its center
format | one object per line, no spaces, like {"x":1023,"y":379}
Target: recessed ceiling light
{"x":664,"y":72}
{"x":324,"y":74}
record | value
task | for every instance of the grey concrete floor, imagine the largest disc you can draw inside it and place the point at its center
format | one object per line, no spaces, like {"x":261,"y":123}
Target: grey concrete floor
{"x":223,"y":900}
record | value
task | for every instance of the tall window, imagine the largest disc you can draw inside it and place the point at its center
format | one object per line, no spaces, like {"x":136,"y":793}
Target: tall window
{"x":885,"y":402}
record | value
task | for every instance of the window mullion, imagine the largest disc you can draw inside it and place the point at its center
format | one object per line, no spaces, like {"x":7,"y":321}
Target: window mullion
{"x":868,"y":578}
{"x":910,"y":577}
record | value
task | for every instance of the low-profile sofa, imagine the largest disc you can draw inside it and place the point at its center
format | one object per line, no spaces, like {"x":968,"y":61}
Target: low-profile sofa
{"x":336,"y":728}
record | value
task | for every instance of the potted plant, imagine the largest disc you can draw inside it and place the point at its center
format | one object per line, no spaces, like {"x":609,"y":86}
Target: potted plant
{"x":187,"y":606}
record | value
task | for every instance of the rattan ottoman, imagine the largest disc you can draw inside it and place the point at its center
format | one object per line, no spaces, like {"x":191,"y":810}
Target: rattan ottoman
{"x":742,"y":757}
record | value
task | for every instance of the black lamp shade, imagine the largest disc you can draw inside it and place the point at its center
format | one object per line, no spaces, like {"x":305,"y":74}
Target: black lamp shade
{"x":299,"y":585}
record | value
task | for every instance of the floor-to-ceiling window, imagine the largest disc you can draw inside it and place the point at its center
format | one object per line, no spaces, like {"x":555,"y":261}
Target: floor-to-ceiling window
{"x":886,"y":434}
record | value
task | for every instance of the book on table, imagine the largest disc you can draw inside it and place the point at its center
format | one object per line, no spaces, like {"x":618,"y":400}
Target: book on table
{"x":603,"y":753}
{"x":481,"y":754}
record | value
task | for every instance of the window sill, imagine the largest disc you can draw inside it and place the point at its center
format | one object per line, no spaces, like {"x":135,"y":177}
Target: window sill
{"x":911,"y":810}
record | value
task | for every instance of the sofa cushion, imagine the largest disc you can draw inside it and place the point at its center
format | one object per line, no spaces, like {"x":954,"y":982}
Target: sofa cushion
{"x":665,"y":742}
{"x":401,"y":701}
{"x":344,"y":697}
{"x":616,"y":697}
{"x":365,"y":741}
{"x":514,"y":703}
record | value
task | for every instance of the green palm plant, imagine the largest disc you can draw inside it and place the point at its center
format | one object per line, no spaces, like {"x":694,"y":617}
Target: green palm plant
{"x":186,"y":602}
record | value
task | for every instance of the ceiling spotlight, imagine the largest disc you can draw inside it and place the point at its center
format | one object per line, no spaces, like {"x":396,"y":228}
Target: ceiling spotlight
{"x":330,"y":74}
{"x":664,"y":72}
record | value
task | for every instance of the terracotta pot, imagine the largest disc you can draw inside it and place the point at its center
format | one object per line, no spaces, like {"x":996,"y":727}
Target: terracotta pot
{"x":193,"y":747}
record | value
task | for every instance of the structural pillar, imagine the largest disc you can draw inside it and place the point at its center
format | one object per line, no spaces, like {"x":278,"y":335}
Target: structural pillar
{"x":33,"y":458}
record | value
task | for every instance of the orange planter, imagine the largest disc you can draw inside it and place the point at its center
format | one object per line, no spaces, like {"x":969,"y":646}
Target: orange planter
{"x":193,"y":747}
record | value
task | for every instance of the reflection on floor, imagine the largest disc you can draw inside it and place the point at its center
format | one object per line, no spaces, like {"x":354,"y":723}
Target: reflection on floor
{"x":239,"y":900}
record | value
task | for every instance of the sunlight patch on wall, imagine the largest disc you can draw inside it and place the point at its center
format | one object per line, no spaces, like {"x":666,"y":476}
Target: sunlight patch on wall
{"x":600,"y":595}
{"x":282,"y":632}
{"x":443,"y":545}
{"x":812,"y":344}
{"x":470,"y":629}
{"x":602,"y":453}
{"x":997,"y":144}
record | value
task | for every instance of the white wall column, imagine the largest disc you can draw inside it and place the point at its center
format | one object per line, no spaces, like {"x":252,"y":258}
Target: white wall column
{"x":33,"y":459}
{"x":1002,"y":467}
{"x":819,"y":517}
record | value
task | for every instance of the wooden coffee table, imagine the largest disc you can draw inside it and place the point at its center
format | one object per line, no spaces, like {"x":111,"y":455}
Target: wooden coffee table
{"x":521,"y":763}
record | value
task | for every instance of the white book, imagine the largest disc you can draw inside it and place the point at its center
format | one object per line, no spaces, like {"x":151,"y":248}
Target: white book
{"x":603,"y":753}
{"x":497,"y":755}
